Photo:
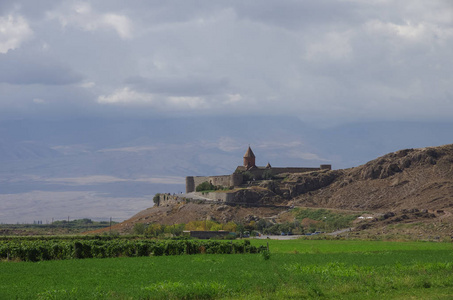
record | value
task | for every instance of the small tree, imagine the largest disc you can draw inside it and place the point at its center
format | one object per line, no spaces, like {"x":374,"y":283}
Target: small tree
{"x":267,"y":175}
{"x":205,"y":186}
{"x":230,"y":226}
{"x":240,"y":228}
{"x":261,"y":224}
{"x":153,"y":230}
{"x":139,"y":228}
{"x":177,"y":229}
{"x":156,"y":199}
{"x":247,"y":176}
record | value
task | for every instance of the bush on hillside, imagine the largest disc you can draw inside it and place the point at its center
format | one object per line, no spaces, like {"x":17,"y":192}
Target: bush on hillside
{"x":247,"y":176}
{"x":267,"y":175}
{"x":205,"y":186}
{"x":139,"y":228}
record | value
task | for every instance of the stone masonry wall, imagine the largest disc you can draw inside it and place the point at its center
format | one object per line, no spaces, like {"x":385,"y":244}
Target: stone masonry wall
{"x":214,"y":196}
{"x":236,"y":179}
{"x":169,"y":199}
{"x":217,"y":196}
{"x":223,"y":180}
{"x":258,"y":173}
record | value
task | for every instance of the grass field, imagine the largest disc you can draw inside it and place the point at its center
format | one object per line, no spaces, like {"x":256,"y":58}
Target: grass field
{"x":296,"y":269}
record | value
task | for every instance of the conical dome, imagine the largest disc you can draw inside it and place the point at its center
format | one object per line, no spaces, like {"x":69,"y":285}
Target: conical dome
{"x":249,"y":158}
{"x":249,"y":153}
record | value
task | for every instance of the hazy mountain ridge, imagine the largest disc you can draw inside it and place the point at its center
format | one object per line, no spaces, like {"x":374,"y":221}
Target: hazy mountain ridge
{"x":25,"y":150}
{"x":139,"y":155}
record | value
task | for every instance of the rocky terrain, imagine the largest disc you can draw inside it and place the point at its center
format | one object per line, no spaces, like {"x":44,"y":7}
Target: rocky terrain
{"x":407,"y":179}
{"x":407,"y":193}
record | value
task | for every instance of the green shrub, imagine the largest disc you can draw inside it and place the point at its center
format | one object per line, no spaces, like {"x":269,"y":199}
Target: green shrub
{"x":139,"y":228}
{"x":267,"y":175}
{"x":142,"y":249}
{"x":247,"y":176}
{"x":205,"y":186}
{"x":30,"y":250}
{"x":78,"y":250}
{"x":158,"y":250}
{"x":33,"y":254}
{"x":265,"y":254}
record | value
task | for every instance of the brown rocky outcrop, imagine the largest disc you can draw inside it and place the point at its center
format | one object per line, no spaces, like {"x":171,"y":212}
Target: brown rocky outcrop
{"x":392,"y":163}
{"x":256,"y":196}
{"x":298,"y":184}
{"x":411,"y":178}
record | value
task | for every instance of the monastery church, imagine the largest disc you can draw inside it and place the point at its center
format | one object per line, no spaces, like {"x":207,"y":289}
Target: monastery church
{"x":250,"y":168}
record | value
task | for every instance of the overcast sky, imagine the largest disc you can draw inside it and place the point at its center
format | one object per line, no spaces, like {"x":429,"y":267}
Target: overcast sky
{"x":324,"y":61}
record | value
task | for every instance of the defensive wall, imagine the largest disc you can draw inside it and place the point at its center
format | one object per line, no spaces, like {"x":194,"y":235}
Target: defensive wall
{"x":260,"y":171}
{"x":217,"y":196}
{"x":196,"y":196}
{"x":224,"y":198}
{"x":168,"y":198}
{"x":236,"y":179}
{"x":222,"y":180}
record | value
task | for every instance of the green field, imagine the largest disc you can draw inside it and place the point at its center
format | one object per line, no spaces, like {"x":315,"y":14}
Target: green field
{"x":296,"y":269}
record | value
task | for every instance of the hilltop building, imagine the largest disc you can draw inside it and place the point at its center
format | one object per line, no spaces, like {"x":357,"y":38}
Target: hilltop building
{"x":248,"y":168}
{"x":249,"y":159}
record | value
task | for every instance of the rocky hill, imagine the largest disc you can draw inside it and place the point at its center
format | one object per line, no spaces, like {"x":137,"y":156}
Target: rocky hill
{"x":406,"y":179}
{"x":412,"y":188}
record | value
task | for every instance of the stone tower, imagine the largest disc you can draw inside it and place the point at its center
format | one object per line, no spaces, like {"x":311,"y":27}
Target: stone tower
{"x":249,"y":159}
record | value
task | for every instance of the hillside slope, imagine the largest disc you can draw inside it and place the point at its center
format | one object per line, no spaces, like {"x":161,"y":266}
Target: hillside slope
{"x":412,"y":186}
{"x":406,"y":179}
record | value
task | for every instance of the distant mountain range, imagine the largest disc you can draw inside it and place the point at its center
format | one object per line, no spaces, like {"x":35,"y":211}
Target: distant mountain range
{"x":52,"y":169}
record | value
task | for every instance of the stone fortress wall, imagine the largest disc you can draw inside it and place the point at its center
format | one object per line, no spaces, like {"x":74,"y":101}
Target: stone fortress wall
{"x":237,"y":178}
{"x":222,"y":180}
{"x":218,"y":196}
{"x":259,"y":172}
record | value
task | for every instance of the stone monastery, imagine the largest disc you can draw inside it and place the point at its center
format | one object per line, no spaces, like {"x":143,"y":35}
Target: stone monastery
{"x":247,"y":170}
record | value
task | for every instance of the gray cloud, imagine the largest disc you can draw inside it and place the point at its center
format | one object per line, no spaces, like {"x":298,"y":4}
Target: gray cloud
{"x":20,"y":70}
{"x":186,"y":86}
{"x":320,"y":60}
{"x":294,"y":14}
{"x":32,"y":9}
